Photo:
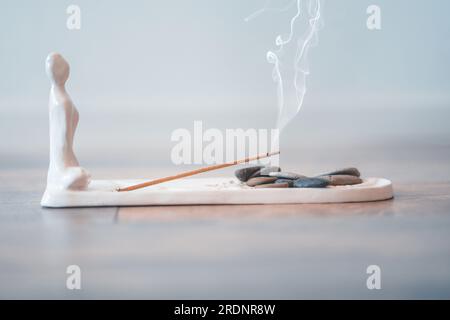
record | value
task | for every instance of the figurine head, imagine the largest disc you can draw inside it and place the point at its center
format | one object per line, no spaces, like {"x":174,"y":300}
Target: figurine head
{"x":57,"y":68}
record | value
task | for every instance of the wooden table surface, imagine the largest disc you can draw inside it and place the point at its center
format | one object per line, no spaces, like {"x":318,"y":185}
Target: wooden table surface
{"x":253,"y":251}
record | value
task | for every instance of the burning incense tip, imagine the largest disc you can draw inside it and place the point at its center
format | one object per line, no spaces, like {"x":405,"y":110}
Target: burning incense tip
{"x":196,"y":171}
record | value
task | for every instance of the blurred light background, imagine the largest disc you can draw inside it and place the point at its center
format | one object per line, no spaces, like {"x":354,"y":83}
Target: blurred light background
{"x":141,"y":69}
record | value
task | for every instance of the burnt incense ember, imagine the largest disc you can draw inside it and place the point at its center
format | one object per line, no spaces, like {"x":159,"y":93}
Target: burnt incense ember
{"x":274,"y":177}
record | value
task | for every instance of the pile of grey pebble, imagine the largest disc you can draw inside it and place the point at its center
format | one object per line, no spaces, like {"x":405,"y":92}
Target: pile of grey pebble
{"x":274,"y":177}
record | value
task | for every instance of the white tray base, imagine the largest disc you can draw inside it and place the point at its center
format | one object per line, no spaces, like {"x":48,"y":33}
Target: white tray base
{"x":211,"y":191}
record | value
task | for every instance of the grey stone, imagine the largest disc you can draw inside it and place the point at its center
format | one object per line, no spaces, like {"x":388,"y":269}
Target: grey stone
{"x":288,"y":181}
{"x":286,"y":175}
{"x":260,"y":180}
{"x":310,"y":183}
{"x":342,"y":180}
{"x":265,"y":171}
{"x":273,"y":185}
{"x":346,"y":171}
{"x":245,"y":173}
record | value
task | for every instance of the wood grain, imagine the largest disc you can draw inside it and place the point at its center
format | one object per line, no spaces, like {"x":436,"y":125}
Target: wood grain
{"x":255,"y":251}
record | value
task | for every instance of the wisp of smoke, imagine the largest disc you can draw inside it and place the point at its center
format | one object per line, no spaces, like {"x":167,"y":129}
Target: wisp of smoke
{"x":290,"y":59}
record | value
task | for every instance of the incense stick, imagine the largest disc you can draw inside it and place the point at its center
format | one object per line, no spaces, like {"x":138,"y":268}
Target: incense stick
{"x":196,"y":171}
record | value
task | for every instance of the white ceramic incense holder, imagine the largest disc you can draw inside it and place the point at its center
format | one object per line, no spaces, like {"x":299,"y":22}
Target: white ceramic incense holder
{"x":69,"y":185}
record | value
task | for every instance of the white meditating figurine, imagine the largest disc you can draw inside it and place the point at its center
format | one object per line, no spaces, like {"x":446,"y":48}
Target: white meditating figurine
{"x":64,"y":170}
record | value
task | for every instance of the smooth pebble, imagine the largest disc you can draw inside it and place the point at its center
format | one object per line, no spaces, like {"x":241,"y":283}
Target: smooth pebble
{"x":346,"y":171}
{"x":265,"y":171}
{"x":342,"y":180}
{"x":245,"y":173}
{"x":273,"y":185}
{"x":288,"y":181}
{"x":310,"y":183}
{"x":286,"y":175}
{"x":260,"y":180}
